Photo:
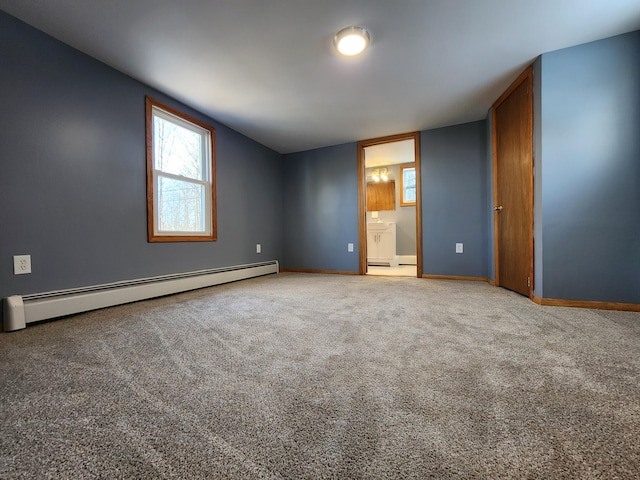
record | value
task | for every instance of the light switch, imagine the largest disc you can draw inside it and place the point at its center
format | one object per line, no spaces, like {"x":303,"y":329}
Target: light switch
{"x":459,"y":248}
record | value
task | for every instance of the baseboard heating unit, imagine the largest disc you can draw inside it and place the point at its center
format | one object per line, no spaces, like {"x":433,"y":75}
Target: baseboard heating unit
{"x":19,"y":310}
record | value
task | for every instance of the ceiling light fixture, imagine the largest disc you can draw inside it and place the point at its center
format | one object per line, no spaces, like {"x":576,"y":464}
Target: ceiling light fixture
{"x":351,"y":41}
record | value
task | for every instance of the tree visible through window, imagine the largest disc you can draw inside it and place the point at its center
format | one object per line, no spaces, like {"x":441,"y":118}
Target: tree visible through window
{"x":408,"y":185}
{"x":180,"y":176}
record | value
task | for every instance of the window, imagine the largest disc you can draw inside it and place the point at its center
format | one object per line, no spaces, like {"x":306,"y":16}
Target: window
{"x":407,"y":185}
{"x":181,"y":199}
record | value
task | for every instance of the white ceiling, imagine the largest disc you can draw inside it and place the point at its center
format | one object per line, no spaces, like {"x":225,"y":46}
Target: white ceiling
{"x":267,"y":68}
{"x":393,"y":153}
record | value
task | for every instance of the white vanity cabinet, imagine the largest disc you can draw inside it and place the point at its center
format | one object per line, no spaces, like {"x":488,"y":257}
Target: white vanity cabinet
{"x":381,"y":244}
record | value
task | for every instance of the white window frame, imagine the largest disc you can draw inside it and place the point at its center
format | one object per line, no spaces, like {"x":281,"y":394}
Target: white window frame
{"x":155,"y":109}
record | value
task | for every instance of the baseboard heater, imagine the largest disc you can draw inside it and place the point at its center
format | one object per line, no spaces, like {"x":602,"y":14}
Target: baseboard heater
{"x":21,"y":310}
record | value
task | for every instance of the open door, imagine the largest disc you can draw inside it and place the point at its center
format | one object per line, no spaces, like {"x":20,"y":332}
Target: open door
{"x":362,"y":219}
{"x":513,"y":186}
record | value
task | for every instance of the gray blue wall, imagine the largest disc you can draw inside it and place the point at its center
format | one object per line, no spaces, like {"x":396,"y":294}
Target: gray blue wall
{"x":73,"y":175}
{"x":538,"y":279}
{"x":454,"y":200}
{"x":590,"y":168}
{"x":321,"y":204}
{"x":321,"y":209}
{"x":73,"y":188}
{"x":491,"y":267}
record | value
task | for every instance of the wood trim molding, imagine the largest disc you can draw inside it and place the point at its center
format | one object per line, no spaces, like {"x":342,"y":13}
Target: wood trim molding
{"x":528,"y":72}
{"x":388,"y":139}
{"x":151,"y":236}
{"x":402,"y":169}
{"x":418,"y":165}
{"x":455,"y":277}
{"x":559,"y":302}
{"x":550,"y":302}
{"x":362,"y":219}
{"x":362,"y":214}
{"x":311,"y":270}
{"x":494,"y":154}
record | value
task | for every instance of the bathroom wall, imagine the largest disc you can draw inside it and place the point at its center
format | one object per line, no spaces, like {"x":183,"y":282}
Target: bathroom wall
{"x":404,"y":217}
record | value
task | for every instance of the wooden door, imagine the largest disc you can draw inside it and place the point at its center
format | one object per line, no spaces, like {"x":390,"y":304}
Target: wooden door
{"x":513,"y":186}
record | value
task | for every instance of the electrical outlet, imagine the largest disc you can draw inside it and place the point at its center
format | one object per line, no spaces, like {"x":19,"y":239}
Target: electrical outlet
{"x":459,"y":248}
{"x":21,"y":264}
{"x":349,"y":247}
{"x":258,"y":248}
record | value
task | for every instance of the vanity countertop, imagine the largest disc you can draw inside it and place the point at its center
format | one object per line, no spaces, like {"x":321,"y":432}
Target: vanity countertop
{"x":379,"y":225}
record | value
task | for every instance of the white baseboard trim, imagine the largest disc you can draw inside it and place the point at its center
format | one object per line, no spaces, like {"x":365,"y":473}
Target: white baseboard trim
{"x":21,"y":310}
{"x":407,"y":259}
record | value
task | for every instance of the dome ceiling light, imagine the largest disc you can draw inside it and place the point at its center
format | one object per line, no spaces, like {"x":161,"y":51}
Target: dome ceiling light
{"x":351,"y":41}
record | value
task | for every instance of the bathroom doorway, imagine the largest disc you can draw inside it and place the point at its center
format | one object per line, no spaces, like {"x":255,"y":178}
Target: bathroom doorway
{"x":390,"y":227}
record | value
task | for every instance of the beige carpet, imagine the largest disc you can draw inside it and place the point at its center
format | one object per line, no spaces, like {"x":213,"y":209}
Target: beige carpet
{"x":324,"y":376}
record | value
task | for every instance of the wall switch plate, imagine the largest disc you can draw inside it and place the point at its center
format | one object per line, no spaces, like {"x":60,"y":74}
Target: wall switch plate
{"x":349,"y":247}
{"x":21,"y":264}
{"x":258,"y":248}
{"x":459,"y":248}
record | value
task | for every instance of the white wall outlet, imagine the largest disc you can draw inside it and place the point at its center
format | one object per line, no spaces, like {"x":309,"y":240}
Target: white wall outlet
{"x":459,"y":248}
{"x":21,"y":264}
{"x":349,"y":247}
{"x":258,"y":248}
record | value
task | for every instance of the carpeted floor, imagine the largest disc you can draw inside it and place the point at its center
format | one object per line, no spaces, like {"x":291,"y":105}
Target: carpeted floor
{"x":305,"y":376}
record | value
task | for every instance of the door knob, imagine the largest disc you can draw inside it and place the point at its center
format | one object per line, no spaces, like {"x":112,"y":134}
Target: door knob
{"x":498,"y":208}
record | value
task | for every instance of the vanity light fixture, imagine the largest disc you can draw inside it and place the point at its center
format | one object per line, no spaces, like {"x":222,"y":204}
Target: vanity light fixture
{"x":380,"y":174}
{"x":351,"y":41}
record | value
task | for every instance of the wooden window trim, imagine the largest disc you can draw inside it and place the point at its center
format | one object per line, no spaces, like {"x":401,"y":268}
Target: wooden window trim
{"x":151,"y":235}
{"x":402,"y":202}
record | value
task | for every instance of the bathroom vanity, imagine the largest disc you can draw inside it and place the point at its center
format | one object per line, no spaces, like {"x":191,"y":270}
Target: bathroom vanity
{"x":381,"y":244}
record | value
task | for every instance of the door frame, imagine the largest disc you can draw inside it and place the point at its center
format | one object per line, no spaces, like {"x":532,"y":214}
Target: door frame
{"x":362,"y":189}
{"x":527,"y":74}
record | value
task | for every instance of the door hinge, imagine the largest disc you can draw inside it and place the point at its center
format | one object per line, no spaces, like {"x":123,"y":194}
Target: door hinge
{"x":529,"y":282}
